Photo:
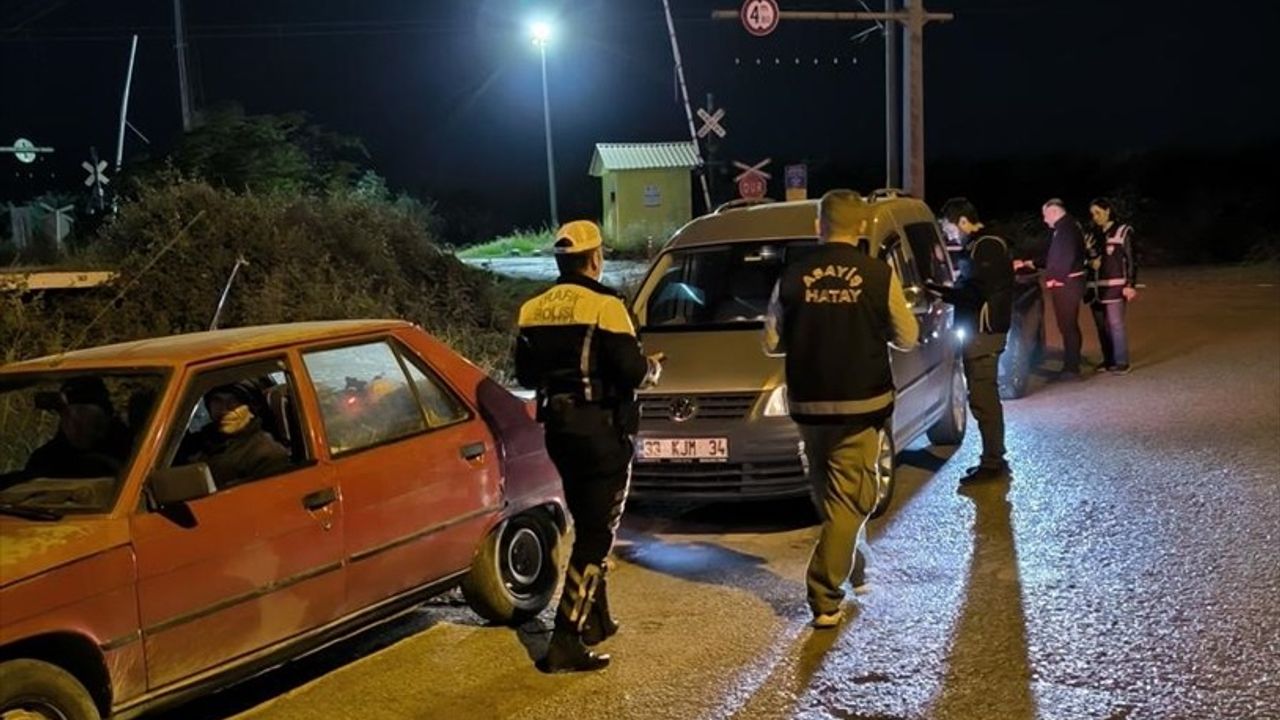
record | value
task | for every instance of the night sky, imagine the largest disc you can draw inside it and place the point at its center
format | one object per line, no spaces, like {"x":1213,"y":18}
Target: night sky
{"x":447,"y":95}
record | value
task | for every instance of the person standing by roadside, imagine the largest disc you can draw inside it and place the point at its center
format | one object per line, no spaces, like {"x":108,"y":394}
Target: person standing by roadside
{"x":577,"y":348}
{"x":1117,"y":277}
{"x":834,"y":313}
{"x":983,"y":298}
{"x":1064,"y":266}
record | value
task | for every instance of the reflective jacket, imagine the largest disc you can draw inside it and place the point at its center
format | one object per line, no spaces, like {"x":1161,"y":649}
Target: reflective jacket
{"x":577,"y":346}
{"x":1116,"y":268}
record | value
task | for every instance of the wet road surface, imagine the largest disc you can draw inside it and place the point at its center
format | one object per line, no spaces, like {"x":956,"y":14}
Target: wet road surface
{"x":1129,"y":571}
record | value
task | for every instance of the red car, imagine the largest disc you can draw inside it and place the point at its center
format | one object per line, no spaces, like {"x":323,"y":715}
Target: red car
{"x":180,"y":513}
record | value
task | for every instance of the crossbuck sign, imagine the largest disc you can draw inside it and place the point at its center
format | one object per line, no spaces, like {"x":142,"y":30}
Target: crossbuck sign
{"x":711,"y":123}
{"x":749,"y":170}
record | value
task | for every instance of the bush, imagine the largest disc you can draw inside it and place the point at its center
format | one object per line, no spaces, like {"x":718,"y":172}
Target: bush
{"x":309,"y":258}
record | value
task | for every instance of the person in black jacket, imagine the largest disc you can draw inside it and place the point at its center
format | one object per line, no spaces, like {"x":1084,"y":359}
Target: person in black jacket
{"x":1115,"y":285}
{"x":1064,"y":266}
{"x":833,"y":313}
{"x":577,"y":348}
{"x":983,"y":298}
{"x":90,"y":441}
{"x":235,"y":446}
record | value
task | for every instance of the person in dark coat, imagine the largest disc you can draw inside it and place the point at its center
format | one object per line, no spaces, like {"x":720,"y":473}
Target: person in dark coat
{"x":235,"y":446}
{"x":91,"y":441}
{"x":1064,"y":266}
{"x":983,"y":298}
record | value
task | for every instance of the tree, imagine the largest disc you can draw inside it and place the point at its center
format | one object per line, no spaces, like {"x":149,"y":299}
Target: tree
{"x":266,"y":153}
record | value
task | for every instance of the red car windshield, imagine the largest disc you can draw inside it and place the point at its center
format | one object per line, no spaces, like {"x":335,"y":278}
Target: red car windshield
{"x":67,"y":439}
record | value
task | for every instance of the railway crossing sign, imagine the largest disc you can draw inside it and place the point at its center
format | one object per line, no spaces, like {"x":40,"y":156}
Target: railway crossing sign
{"x":711,"y":123}
{"x":753,"y":180}
{"x":97,"y":176}
{"x":757,"y":169}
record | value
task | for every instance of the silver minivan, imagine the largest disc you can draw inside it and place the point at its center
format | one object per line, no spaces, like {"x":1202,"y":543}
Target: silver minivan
{"x":717,"y":428}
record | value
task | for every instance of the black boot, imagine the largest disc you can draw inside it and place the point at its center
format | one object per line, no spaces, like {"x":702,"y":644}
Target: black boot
{"x":566,"y":653}
{"x":600,"y":625}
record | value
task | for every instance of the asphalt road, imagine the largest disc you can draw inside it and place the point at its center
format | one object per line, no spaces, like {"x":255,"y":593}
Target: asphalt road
{"x":1129,"y":571}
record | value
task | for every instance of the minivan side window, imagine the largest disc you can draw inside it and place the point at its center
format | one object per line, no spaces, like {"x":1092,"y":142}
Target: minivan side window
{"x":929,"y":250}
{"x":897,"y":254}
{"x":365,"y":397}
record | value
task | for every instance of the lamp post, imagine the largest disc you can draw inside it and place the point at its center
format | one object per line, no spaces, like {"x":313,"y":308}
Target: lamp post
{"x":541,"y":32}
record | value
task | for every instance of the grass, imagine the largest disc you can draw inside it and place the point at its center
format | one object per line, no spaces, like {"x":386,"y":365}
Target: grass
{"x":521,"y":243}
{"x":637,"y":243}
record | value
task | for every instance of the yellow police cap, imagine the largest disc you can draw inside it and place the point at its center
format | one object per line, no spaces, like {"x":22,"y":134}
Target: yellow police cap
{"x":577,"y":237}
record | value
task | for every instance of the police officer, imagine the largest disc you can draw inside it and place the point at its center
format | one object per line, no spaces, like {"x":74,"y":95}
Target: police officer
{"x":833,"y":313}
{"x":1064,"y":266}
{"x":1115,"y":285}
{"x":983,"y":298}
{"x":578,"y":349}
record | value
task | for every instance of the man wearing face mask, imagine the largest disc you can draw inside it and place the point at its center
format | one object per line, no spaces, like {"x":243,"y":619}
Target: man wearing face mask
{"x":235,"y":446}
{"x":983,"y":298}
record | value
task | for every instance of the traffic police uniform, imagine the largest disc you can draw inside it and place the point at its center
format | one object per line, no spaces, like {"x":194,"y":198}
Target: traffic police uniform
{"x":833,"y":313}
{"x":1114,"y":270}
{"x":578,"y":350}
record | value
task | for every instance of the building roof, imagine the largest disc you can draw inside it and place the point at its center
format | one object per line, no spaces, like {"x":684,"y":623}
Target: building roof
{"x":642,"y":156}
{"x":192,"y":347}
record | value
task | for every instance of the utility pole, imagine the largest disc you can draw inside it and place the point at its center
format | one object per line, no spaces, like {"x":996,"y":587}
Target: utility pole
{"x":180,"y":44}
{"x":892,"y":126}
{"x":913,"y":19}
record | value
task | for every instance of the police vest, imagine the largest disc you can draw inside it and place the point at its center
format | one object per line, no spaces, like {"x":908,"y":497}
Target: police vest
{"x":577,"y":341}
{"x":1113,"y":264}
{"x":836,"y":329}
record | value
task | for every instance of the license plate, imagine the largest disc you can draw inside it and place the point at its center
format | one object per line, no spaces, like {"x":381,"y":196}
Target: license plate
{"x":702,"y":449}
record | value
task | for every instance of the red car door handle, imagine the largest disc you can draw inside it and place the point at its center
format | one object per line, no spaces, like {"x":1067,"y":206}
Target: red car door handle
{"x":474,"y":451}
{"x":320,"y":499}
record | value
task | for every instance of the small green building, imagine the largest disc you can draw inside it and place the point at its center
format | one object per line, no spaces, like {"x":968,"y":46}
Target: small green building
{"x":647,"y":188}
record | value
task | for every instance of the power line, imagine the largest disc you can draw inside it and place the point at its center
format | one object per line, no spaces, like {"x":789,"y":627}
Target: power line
{"x":46,"y":9}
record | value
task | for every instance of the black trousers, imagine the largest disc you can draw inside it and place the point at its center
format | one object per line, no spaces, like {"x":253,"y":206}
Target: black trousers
{"x":981,"y":374}
{"x":1066,"y":309}
{"x":593,"y":458}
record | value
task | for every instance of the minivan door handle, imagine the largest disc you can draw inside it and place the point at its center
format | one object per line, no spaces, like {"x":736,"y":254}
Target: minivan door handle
{"x":471,"y":452}
{"x":320,"y":499}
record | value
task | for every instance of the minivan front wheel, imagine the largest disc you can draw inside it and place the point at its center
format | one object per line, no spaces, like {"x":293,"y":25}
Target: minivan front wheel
{"x":37,"y":690}
{"x":886,"y":463}
{"x":515,"y":572}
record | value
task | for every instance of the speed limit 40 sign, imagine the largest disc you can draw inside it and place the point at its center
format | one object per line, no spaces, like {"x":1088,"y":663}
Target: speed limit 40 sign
{"x":759,"y":17}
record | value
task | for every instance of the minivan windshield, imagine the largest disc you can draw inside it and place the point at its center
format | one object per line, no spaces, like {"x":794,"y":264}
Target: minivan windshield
{"x":66,"y":439}
{"x":725,"y":286}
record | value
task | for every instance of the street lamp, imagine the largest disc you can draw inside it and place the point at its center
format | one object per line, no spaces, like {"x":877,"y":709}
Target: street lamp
{"x":541,"y":34}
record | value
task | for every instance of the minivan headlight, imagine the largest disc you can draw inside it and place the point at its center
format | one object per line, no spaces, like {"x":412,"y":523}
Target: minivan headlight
{"x":776,"y":405}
